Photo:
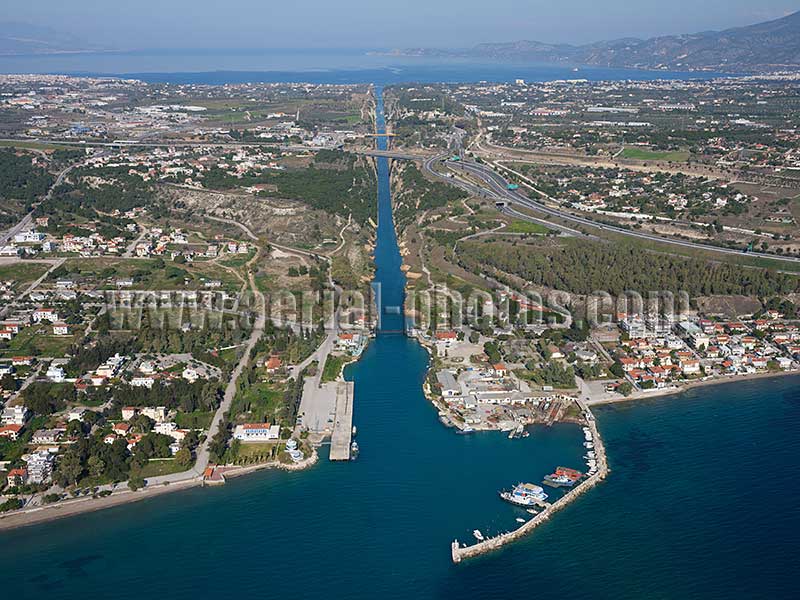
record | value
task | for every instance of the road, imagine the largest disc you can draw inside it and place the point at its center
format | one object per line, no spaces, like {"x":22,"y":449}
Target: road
{"x":202,"y":453}
{"x":498,"y":186}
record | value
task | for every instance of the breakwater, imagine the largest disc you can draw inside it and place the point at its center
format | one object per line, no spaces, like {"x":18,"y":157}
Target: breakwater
{"x":459,"y":552}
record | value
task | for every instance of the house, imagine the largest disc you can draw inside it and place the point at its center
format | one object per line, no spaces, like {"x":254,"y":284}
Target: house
{"x":22,"y":361}
{"x":784,"y":363}
{"x":273,"y":364}
{"x":157,"y":413}
{"x":499,"y":370}
{"x":47,"y":436}
{"x":55,"y":373}
{"x":190,"y":375}
{"x":60,"y":329}
{"x":45,"y":314}
{"x":142,"y":382}
{"x":76,"y":414}
{"x":689,"y":366}
{"x":14,"y":415}
{"x":257,"y":432}
{"x":554,"y":351}
{"x":128,"y":412}
{"x":121,"y":428}
{"x":10,"y":432}
{"x":18,"y":476}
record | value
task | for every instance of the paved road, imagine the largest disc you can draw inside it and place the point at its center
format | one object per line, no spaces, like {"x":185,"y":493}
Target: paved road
{"x":499,"y":187}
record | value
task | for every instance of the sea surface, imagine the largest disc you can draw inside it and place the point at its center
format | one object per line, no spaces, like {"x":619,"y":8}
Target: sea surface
{"x":214,"y":66}
{"x":701,"y":503}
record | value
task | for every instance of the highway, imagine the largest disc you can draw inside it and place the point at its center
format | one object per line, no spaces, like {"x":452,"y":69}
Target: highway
{"x":498,"y":188}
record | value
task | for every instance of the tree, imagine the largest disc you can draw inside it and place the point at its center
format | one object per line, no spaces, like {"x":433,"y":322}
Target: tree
{"x":69,"y":468}
{"x":625,"y":388}
{"x":184,"y":457}
{"x":96,"y":466}
{"x":136,"y":482}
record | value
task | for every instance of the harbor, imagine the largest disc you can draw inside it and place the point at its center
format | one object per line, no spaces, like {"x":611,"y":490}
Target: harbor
{"x":598,"y":470}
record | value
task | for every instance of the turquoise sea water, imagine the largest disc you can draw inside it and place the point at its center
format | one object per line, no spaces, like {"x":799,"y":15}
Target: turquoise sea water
{"x":701,"y":503}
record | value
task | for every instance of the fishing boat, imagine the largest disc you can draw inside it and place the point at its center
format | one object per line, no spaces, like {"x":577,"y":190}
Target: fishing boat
{"x":563,"y":477}
{"x":520,"y":520}
{"x":354,"y":450}
{"x":478,"y":535}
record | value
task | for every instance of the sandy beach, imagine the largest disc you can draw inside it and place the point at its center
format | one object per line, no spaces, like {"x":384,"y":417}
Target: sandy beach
{"x":77,"y":506}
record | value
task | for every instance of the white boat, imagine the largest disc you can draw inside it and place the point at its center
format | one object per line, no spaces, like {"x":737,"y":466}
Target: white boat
{"x":520,"y":520}
{"x":478,"y":535}
{"x":524,"y":494}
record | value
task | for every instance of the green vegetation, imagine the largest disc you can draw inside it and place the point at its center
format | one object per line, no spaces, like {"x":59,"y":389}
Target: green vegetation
{"x":552,"y":374}
{"x":417,"y":193}
{"x":19,"y":178}
{"x":527,"y":227}
{"x":333,"y":366}
{"x":336,"y":182}
{"x":641,"y":154}
{"x":583,"y":267}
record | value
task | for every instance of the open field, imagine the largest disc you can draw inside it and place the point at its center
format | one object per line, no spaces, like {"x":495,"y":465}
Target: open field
{"x":526,"y":227}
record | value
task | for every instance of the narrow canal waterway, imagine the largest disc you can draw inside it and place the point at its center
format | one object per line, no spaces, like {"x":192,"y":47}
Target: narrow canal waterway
{"x":701,"y":503}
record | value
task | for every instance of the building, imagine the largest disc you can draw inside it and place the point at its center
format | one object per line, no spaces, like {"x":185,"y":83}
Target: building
{"x":157,"y":413}
{"x":257,"y":432}
{"x":273,"y":364}
{"x":56,"y":374}
{"x":40,"y":466}
{"x":10,"y":432}
{"x":76,"y":414}
{"x":47,"y":436}
{"x":14,"y":415}
{"x":60,"y":329}
{"x":45,"y":314}
{"x":449,"y":385}
{"x":128,"y":412}
{"x":17,"y":476}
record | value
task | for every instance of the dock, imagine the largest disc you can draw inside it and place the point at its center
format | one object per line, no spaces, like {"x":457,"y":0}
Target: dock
{"x":459,"y":552}
{"x":342,"y":435}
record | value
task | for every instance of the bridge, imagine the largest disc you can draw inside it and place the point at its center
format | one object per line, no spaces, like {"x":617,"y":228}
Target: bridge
{"x":390,"y":154}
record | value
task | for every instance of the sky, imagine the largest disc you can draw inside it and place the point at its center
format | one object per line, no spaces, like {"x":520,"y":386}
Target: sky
{"x":379,"y":24}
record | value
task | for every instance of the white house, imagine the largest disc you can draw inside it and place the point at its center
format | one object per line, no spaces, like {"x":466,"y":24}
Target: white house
{"x":55,"y":373}
{"x":45,"y":314}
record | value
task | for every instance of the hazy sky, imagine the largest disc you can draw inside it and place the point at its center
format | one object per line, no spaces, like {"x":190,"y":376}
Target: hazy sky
{"x":380,"y":24}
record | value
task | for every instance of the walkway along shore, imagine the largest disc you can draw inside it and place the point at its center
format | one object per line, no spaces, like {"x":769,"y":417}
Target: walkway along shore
{"x":460,"y":553}
{"x":77,"y":506}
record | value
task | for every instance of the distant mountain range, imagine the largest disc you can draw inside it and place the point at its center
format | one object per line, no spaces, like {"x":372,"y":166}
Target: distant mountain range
{"x":24,"y":38}
{"x":770,"y":46}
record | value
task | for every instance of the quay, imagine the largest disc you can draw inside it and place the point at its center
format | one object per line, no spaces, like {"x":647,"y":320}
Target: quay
{"x":459,"y":553}
{"x":342,"y":435}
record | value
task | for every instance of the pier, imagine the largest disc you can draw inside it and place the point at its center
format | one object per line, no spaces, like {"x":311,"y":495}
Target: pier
{"x":342,"y":435}
{"x":459,"y":553}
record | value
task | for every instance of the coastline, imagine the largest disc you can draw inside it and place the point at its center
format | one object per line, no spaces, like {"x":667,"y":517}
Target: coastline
{"x":721,"y":380}
{"x":78,"y":506}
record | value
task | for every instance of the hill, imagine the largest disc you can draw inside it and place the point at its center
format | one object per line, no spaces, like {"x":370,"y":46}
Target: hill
{"x":769,"y":46}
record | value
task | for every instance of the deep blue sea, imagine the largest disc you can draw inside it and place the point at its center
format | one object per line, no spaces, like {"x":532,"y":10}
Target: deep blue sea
{"x":701,"y":503}
{"x":217,"y":67}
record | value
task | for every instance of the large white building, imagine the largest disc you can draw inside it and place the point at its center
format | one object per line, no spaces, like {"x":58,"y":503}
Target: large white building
{"x":257,"y":432}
